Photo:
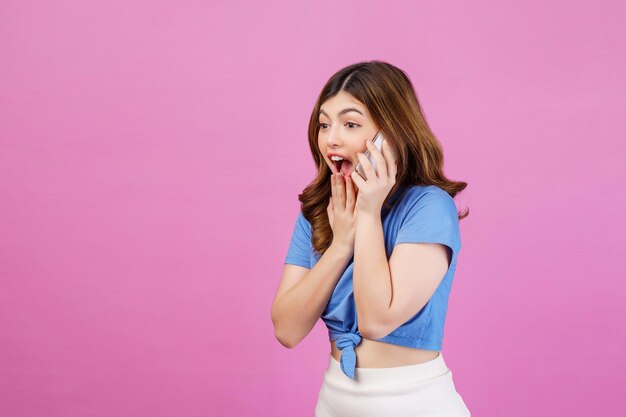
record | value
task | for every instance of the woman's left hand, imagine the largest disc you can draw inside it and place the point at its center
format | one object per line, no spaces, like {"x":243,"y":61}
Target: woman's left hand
{"x":373,"y":191}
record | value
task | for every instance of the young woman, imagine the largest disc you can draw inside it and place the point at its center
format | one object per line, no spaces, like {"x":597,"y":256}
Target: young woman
{"x":374,"y":256}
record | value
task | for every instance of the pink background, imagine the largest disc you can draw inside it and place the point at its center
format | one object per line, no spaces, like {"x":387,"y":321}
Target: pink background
{"x":151,"y":153}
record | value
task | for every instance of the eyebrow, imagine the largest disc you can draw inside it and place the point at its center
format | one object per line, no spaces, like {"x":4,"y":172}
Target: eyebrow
{"x":344,"y":111}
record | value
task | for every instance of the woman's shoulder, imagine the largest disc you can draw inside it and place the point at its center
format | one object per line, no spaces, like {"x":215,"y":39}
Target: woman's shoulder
{"x":427,"y":193}
{"x":428,"y":200}
{"x":302,"y":222}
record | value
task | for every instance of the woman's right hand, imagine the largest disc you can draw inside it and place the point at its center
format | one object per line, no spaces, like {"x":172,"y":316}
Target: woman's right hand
{"x":341,"y":211}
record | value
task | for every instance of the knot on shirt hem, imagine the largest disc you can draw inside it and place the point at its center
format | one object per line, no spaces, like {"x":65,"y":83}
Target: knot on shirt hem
{"x":346,"y":342}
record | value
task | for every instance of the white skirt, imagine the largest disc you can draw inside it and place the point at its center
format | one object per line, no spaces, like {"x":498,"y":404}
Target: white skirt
{"x":422,"y":390}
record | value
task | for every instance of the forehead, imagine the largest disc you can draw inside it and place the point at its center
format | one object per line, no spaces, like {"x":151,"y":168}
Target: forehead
{"x":341,"y":101}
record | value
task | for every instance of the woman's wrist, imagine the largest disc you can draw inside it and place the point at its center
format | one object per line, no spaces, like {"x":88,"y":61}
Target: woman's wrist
{"x":342,"y":249}
{"x":368,"y":216}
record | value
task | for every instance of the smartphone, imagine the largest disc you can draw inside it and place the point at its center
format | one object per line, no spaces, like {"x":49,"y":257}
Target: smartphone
{"x":378,"y":142}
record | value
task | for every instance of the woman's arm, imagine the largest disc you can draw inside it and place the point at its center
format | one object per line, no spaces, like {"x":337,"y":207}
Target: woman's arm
{"x":371,"y":277}
{"x":296,"y":309}
{"x":388,"y":293}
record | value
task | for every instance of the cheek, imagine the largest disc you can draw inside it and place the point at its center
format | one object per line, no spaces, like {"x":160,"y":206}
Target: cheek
{"x":322,"y":151}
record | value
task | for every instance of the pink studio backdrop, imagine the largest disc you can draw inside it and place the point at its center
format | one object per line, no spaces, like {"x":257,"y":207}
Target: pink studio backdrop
{"x":151,"y":154}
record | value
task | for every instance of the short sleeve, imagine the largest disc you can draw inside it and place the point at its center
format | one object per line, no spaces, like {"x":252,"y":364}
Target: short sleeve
{"x":431,"y":218}
{"x":299,"y":252}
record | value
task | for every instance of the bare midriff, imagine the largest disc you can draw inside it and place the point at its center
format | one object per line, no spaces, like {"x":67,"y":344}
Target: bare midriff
{"x":375,"y":354}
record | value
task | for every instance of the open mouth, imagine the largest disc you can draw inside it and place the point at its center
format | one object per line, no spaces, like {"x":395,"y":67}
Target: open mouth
{"x":344,"y":166}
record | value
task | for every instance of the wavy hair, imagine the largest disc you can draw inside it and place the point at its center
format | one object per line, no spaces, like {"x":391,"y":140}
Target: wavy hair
{"x":389,"y":96}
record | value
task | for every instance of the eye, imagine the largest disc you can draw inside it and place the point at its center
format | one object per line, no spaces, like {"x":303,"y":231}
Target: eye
{"x":351,"y":123}
{"x":322,"y":125}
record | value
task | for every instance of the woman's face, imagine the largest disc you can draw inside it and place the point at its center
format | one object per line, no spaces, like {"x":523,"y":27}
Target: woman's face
{"x":345,"y":126}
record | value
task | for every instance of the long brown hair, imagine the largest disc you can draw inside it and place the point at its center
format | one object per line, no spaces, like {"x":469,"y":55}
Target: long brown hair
{"x":389,"y":96}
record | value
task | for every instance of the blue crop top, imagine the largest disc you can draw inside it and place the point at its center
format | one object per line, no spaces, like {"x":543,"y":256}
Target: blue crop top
{"x":425,"y":213}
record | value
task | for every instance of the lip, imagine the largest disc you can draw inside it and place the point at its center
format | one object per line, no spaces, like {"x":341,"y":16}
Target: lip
{"x":337,"y":154}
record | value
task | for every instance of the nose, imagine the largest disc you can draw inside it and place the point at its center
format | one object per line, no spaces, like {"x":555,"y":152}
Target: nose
{"x":333,"y":138}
